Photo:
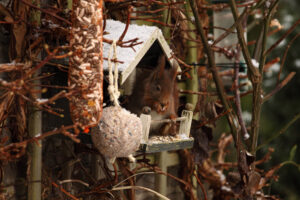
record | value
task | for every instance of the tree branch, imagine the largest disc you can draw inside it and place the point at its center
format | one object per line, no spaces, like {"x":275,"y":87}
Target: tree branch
{"x":213,"y":68}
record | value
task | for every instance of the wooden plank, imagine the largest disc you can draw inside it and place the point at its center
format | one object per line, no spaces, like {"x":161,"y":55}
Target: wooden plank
{"x":168,"y":52}
{"x":159,"y":147}
{"x":160,"y":179}
{"x":146,"y":122}
{"x":173,"y":159}
{"x":139,"y":56}
{"x":169,"y":120}
{"x":185,"y":126}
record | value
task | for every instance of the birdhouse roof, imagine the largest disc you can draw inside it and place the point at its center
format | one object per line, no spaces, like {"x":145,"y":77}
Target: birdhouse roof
{"x":130,"y":57}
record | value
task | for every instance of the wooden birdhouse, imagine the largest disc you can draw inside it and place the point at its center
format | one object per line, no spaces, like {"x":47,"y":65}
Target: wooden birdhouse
{"x":141,"y":50}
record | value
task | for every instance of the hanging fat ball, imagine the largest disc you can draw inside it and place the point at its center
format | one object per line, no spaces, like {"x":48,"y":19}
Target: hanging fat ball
{"x":118,"y":133}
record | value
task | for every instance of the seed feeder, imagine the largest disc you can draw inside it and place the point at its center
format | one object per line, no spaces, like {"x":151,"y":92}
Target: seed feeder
{"x":85,"y":63}
{"x":223,"y":20}
{"x":149,"y":43}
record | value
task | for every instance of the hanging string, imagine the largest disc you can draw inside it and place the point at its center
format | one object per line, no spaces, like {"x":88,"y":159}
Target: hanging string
{"x":113,"y":77}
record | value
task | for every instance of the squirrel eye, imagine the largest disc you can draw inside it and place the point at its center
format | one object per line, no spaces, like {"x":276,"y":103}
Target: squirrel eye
{"x":158,"y":88}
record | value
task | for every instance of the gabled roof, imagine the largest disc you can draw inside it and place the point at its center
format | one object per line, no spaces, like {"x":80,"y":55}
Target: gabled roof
{"x":129,"y":56}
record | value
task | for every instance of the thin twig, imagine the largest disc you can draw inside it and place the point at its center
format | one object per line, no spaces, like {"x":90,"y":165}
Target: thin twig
{"x":79,"y":160}
{"x":210,"y":121}
{"x":140,"y":188}
{"x":47,"y":12}
{"x":116,"y":172}
{"x":201,"y":185}
{"x":126,"y":26}
{"x":5,"y":149}
{"x":285,"y":54}
{"x":141,"y":173}
{"x":214,"y":71}
{"x":159,"y":171}
{"x":7,"y":67}
{"x":64,"y":191}
{"x":281,"y":131}
{"x":283,"y":37}
{"x":265,"y":158}
{"x":229,"y":30}
{"x":74,"y":181}
{"x":279,"y":86}
{"x":240,"y":33}
{"x":198,"y":93}
{"x":238,"y":104}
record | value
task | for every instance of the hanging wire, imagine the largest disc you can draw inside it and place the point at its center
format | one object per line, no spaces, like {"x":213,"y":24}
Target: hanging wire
{"x":242,"y":66}
{"x":227,"y":65}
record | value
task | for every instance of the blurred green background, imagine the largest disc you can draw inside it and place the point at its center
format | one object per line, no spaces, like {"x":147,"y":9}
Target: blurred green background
{"x":280,"y":109}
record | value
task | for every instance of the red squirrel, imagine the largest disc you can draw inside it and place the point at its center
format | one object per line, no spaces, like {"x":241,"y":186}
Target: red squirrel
{"x":158,"y":91}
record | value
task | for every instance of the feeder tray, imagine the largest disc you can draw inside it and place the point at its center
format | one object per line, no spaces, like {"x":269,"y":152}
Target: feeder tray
{"x":182,"y":140}
{"x":165,"y":145}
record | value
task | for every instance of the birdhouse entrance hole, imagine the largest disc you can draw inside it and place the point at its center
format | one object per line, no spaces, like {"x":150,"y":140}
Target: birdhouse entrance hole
{"x":149,"y":61}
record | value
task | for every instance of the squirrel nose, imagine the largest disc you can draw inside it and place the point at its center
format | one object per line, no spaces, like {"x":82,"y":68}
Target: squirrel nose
{"x":163,"y":106}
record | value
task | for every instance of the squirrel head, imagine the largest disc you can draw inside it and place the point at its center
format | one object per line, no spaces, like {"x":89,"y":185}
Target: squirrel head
{"x":159,"y":87}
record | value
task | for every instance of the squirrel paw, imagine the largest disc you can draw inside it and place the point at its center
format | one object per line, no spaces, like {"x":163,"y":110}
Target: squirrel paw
{"x":146,"y":110}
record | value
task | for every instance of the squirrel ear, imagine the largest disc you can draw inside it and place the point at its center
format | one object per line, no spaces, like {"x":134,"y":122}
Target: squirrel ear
{"x":174,"y":72}
{"x":161,"y":65}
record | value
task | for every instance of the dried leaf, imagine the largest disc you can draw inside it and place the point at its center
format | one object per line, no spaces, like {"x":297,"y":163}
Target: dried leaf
{"x":276,"y":23}
{"x":202,"y":138}
{"x":7,"y":16}
{"x":253,"y":182}
{"x":224,"y":141}
{"x":6,"y":104}
{"x":268,"y":176}
{"x":20,"y":109}
{"x":3,"y":140}
{"x":19,"y":31}
{"x":243,"y":165}
{"x":233,"y":178}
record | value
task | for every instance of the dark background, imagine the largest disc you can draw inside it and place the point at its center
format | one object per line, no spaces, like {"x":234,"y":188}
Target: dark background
{"x":281,"y":108}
